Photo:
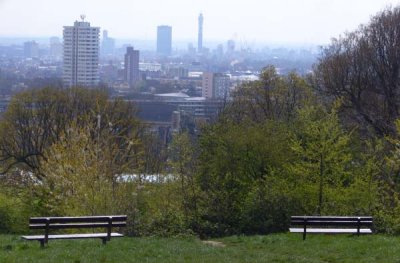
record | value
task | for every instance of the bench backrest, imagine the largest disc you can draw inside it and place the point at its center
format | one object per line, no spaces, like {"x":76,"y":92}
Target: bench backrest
{"x":77,"y":222}
{"x":349,"y":221}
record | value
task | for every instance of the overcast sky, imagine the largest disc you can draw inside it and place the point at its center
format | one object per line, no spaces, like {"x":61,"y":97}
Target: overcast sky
{"x":248,"y":21}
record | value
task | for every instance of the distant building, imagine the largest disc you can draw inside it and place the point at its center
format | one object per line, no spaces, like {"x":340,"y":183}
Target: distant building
{"x":207,"y":85}
{"x":215,"y":85}
{"x":56,"y":48}
{"x":177,"y":72}
{"x":162,"y":108}
{"x":200,"y":34}
{"x":107,"y":45}
{"x":81,"y":54}
{"x":222,"y":85}
{"x":150,"y":66}
{"x":31,"y":49}
{"x":219,"y":51}
{"x":191,"y":49}
{"x":164,"y":40}
{"x":131,"y":67}
{"x":230,"y":46}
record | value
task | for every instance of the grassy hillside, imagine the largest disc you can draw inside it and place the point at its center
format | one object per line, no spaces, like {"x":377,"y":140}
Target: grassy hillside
{"x":272,"y":248}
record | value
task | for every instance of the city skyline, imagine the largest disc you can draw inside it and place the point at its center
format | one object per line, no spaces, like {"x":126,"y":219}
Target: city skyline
{"x":290,"y":21}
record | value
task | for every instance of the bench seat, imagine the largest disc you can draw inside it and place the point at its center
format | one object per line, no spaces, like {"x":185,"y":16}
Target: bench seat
{"x":72,"y":236}
{"x":80,"y":222}
{"x":331,"y":225}
{"x":331,"y":230}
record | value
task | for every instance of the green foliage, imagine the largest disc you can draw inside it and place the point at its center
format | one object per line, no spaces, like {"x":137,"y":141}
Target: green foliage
{"x":183,"y":163}
{"x":322,"y":167}
{"x":36,"y":119}
{"x":388,"y":210}
{"x":75,"y":182}
{"x":280,"y":160}
{"x":234,"y":161}
{"x":71,"y":146}
{"x":273,"y":97}
{"x":14,"y":213}
{"x":269,"y":205}
{"x":156,"y":209}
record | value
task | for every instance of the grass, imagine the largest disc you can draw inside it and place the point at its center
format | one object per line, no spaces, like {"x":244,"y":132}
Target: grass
{"x":271,"y":248}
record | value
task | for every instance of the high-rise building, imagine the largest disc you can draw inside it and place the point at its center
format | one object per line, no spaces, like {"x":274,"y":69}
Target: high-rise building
{"x":107,"y":45}
{"x":200,"y":34}
{"x":164,"y":40}
{"x":81,"y":54}
{"x":215,"y":85}
{"x":131,"y":68}
{"x":31,"y":49}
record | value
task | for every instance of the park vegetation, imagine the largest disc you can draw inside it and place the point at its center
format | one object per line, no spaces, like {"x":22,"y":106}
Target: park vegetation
{"x":323,"y":144}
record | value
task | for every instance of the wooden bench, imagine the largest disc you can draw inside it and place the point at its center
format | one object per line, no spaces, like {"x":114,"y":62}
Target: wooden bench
{"x":54,"y":223}
{"x":331,"y":225}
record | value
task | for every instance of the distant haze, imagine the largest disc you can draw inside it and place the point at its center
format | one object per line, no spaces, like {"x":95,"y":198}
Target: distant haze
{"x":249,"y":22}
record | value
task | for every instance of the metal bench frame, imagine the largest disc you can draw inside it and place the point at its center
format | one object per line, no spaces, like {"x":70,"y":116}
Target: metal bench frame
{"x":52,"y":223}
{"x":331,"y":225}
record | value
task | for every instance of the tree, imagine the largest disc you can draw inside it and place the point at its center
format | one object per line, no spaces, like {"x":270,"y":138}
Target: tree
{"x":83,"y":174}
{"x":323,"y":154}
{"x":241,"y":175}
{"x":234,"y":160}
{"x":183,"y":163}
{"x":387,"y":157}
{"x":36,"y":119}
{"x":362,"y":68}
{"x":273,"y":97}
{"x":74,"y":180}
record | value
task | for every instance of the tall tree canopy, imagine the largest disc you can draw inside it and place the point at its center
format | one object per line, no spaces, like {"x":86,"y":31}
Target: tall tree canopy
{"x":36,"y":119}
{"x":273,"y":97}
{"x":363,"y":68}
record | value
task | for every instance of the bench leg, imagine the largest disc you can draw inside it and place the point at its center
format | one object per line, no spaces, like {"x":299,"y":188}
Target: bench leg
{"x":41,"y":243}
{"x":104,"y":241}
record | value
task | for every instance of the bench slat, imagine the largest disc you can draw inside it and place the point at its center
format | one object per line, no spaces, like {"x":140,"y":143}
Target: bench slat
{"x":78,"y":219}
{"x":72,"y":236}
{"x":331,"y":223}
{"x":76,"y":225}
{"x":333,"y":218}
{"x":331,"y":230}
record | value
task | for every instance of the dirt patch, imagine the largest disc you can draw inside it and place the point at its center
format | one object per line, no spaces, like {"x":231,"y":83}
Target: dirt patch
{"x":213,"y":243}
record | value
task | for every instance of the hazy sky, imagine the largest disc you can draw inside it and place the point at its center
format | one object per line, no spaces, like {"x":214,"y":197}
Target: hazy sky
{"x":248,"y":21}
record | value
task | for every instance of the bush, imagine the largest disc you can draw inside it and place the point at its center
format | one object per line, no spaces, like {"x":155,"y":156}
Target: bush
{"x":13,"y":214}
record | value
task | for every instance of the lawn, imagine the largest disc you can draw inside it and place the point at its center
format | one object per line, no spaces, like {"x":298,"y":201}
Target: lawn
{"x":271,"y":248}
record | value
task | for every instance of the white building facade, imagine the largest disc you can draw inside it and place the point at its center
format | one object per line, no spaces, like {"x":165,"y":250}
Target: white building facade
{"x":81,"y":55}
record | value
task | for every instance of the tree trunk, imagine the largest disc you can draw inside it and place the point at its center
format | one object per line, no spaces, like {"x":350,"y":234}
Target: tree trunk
{"x":321,"y":184}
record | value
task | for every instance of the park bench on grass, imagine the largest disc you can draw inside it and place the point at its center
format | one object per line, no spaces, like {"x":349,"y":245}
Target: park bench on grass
{"x":331,"y":225}
{"x":56,"y":223}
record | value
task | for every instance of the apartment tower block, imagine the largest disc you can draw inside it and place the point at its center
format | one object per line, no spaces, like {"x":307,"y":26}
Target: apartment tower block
{"x":81,"y":54}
